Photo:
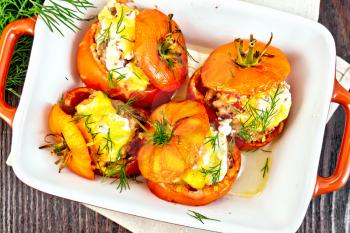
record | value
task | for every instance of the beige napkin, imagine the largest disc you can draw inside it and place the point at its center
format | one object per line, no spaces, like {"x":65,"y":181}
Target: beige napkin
{"x":308,"y":9}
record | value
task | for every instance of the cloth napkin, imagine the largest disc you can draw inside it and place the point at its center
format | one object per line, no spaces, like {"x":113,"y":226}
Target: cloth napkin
{"x":308,"y":9}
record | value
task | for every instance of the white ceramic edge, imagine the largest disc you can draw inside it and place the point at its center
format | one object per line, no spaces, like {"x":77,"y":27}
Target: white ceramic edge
{"x":23,"y":109}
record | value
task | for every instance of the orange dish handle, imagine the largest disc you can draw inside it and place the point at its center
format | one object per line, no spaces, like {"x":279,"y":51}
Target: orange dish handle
{"x":8,"y":41}
{"x":341,"y":173}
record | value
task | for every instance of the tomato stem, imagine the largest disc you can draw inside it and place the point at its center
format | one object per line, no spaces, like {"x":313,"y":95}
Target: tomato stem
{"x":252,"y":57}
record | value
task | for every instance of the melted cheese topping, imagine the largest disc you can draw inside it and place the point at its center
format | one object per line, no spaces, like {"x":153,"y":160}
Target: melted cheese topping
{"x":115,"y":37}
{"x":111,"y":131}
{"x":213,"y":157}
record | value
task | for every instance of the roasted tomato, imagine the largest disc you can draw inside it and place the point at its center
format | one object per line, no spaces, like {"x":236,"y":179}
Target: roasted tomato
{"x":103,"y":130}
{"x":184,"y":159}
{"x":71,"y":145}
{"x":243,"y":82}
{"x":131,"y":54}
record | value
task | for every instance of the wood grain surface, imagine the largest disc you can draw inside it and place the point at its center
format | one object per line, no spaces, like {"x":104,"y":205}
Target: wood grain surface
{"x":23,"y":209}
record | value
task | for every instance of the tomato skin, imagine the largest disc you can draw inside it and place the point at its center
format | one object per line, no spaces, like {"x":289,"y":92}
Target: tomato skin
{"x":221,"y":73}
{"x":179,"y":193}
{"x":189,"y":124}
{"x":94,"y":74}
{"x":74,"y":97}
{"x":151,"y":27}
{"x":79,"y":162}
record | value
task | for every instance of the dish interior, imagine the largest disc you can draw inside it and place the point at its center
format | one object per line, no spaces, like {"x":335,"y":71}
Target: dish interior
{"x":206,"y":25}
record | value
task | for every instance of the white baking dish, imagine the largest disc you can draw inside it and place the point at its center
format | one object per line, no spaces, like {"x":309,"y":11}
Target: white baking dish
{"x":206,"y":24}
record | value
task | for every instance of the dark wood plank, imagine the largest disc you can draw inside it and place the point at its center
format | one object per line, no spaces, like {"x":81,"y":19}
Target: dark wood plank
{"x":23,"y":209}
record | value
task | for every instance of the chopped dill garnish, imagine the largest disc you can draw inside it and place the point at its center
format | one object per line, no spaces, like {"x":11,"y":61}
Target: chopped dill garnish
{"x":214,"y":141}
{"x":109,"y":142}
{"x":120,"y":21}
{"x":200,"y":217}
{"x":259,"y":118}
{"x":105,"y":35}
{"x":114,"y":76}
{"x":265,"y":169}
{"x":214,"y":172}
{"x":162,"y":132}
{"x":87,"y":122}
{"x":117,"y":168}
{"x":126,"y":106}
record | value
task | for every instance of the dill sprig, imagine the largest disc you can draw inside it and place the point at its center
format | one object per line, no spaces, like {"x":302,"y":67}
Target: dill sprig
{"x":11,"y":10}
{"x":117,"y":168}
{"x":259,"y":117}
{"x":114,"y":76}
{"x":109,"y":144}
{"x":214,"y":172}
{"x":166,"y":46}
{"x":105,"y":35}
{"x":265,"y":169}
{"x":162,"y":132}
{"x":214,"y":141}
{"x":87,"y":122}
{"x":126,"y":107}
{"x":200,"y":217}
{"x":56,"y":14}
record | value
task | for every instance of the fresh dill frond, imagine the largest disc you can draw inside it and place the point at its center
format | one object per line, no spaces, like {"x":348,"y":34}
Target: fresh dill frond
{"x":117,"y":168}
{"x":259,"y":118}
{"x":114,"y":76}
{"x":214,"y":141}
{"x":120,"y":21}
{"x":265,"y":169}
{"x":126,"y":107}
{"x":11,"y":10}
{"x":109,"y":144}
{"x":200,"y":217}
{"x":87,"y":122}
{"x":162,"y":132}
{"x":105,"y":35}
{"x":214,"y":172}
{"x":58,"y":13}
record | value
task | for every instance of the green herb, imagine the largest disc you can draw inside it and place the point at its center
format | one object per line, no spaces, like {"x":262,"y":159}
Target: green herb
{"x":126,"y":107}
{"x":259,"y":118}
{"x":54,"y":15}
{"x":105,"y":35}
{"x":162,"y":132}
{"x":267,"y":151}
{"x":265,"y":169}
{"x":109,"y":142}
{"x":112,"y":80}
{"x":200,"y":217}
{"x":117,"y":168}
{"x":167,"y":52}
{"x":87,"y":122}
{"x":125,"y":38}
{"x":214,"y":141}
{"x":214,"y":172}
{"x":120,"y":21}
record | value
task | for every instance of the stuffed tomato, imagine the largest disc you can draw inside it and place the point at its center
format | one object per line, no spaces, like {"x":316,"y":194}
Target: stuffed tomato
{"x":96,"y":135}
{"x":243,"y":84}
{"x":184,"y":158}
{"x":130,"y":53}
